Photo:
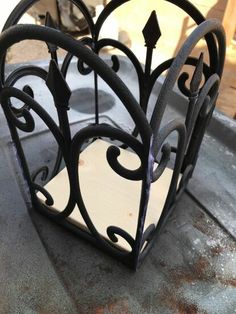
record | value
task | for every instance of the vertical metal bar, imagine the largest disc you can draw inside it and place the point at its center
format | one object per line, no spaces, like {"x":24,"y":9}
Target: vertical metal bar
{"x":190,"y":118}
{"x":96,"y":98}
{"x":64,"y":123}
{"x":148,"y":63}
{"x":151,"y":34}
{"x":54,"y":56}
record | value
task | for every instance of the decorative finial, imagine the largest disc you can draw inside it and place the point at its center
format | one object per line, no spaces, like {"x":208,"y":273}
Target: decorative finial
{"x":58,"y":86}
{"x":197,"y":75}
{"x":151,"y":31}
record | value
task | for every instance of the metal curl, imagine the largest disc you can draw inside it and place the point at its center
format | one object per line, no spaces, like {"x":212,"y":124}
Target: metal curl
{"x":82,"y":68}
{"x":105,"y":42}
{"x":194,"y":86}
{"x":15,"y":76}
{"x":87,"y":41}
{"x":38,"y":188}
{"x":9,"y":92}
{"x":44,"y":171}
{"x":112,"y":157}
{"x":182,"y":84}
{"x":28,"y":125}
{"x":116,"y":63}
{"x":166,"y":151}
{"x":112,"y":231}
{"x":174,"y":125}
{"x":18,"y":111}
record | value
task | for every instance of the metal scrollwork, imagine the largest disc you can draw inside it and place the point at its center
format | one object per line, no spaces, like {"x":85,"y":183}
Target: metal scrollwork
{"x":112,"y":231}
{"x":38,"y":188}
{"x":149,"y":141}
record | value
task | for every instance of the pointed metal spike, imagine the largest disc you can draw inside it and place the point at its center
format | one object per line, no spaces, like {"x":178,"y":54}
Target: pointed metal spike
{"x":58,"y":86}
{"x":197,"y":75}
{"x":151,"y":31}
{"x":50,"y":23}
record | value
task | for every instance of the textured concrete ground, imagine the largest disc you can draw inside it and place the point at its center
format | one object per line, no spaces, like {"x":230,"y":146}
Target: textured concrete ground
{"x":191,"y":268}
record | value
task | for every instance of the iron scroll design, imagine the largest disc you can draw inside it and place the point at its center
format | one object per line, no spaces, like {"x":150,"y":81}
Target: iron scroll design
{"x":149,"y":140}
{"x":146,"y":79}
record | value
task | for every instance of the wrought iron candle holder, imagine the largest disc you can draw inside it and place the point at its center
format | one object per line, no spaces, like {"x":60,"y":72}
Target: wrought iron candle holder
{"x":103,"y":162}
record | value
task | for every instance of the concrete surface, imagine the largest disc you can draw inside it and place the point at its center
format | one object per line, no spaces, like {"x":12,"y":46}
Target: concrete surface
{"x":191,"y":268}
{"x":28,"y":281}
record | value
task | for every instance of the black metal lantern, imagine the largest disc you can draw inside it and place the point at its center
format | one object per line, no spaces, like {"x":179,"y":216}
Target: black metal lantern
{"x":117,"y":188}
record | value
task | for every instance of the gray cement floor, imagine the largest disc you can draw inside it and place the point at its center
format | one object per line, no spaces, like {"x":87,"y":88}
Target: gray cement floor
{"x":191,"y":268}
